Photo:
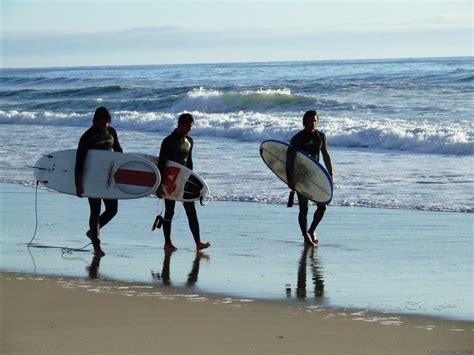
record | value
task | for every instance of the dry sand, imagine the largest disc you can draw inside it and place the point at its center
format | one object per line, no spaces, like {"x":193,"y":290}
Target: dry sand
{"x":51,"y":315}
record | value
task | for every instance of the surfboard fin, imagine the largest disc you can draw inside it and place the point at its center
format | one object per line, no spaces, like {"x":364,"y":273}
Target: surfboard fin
{"x":158,"y":222}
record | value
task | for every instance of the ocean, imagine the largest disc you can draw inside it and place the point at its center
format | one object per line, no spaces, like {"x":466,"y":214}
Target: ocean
{"x":400,"y":135}
{"x":400,"y":132}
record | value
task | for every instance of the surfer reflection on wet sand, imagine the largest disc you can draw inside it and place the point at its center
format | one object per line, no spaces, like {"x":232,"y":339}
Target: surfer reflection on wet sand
{"x":165,"y":277}
{"x":93,"y":268}
{"x":318,"y":282}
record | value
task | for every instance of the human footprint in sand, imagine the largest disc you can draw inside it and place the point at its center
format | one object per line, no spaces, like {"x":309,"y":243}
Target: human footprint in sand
{"x":178,"y":147}
{"x":313,"y":142}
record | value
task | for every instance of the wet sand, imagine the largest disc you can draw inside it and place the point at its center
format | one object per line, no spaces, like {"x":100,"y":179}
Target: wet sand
{"x":369,"y":259}
{"x":256,"y":290}
{"x":50,"y":315}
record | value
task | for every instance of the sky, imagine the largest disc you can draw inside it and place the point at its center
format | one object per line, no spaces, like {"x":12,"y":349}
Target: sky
{"x":55,"y":33}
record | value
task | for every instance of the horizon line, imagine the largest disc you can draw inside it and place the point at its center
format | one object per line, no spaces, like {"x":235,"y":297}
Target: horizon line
{"x":236,"y":62}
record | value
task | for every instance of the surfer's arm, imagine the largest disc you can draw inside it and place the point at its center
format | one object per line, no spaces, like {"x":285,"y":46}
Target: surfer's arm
{"x":79,"y":168}
{"x":190,"y":156}
{"x":162,"y":159}
{"x":290,"y":165}
{"x":295,"y":143}
{"x":326,"y":156}
{"x":116,"y":147}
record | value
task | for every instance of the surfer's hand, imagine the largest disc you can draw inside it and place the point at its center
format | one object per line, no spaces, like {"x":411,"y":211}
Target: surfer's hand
{"x":79,"y":191}
{"x":159,"y":193}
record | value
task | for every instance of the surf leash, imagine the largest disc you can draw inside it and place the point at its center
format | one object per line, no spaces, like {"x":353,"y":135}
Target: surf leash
{"x":30,"y":244}
{"x":160,"y":219}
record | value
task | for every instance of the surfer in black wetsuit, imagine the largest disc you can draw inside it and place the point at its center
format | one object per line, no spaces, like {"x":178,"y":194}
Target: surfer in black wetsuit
{"x":178,"y":147}
{"x":99,"y":136}
{"x":313,"y":142}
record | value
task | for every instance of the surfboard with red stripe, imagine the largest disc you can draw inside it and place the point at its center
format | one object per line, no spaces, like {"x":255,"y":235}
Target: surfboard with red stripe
{"x":180,"y":183}
{"x":107,"y":174}
{"x":134,"y":177}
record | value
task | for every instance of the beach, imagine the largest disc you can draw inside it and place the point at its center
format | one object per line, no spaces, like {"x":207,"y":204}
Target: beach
{"x":256,"y":290}
{"x":392,"y":273}
{"x":46,"y":315}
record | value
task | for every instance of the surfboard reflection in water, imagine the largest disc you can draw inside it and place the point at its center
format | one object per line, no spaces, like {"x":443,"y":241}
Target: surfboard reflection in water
{"x":317,"y":278}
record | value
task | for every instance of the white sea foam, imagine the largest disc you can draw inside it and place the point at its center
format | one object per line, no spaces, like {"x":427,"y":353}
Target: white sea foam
{"x":216,"y":101}
{"x":419,"y":136}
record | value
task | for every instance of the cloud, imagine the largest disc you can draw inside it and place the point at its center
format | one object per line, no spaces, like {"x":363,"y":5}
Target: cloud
{"x":197,"y":44}
{"x":414,"y":23}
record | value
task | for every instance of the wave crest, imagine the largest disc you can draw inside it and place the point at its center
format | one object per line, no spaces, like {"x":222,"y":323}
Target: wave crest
{"x":215,"y":101}
{"x":418,"y":136}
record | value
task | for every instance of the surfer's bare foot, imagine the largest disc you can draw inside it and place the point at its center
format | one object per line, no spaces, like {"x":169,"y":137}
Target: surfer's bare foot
{"x":95,"y":243}
{"x":201,"y":246}
{"x":170,"y":248}
{"x":314,"y":237}
{"x":98,"y":251}
{"x":308,"y":241}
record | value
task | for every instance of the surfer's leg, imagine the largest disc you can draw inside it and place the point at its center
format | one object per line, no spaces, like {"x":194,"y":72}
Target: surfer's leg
{"x":94,"y":205}
{"x":194,"y":225}
{"x":111,"y":208}
{"x":93,"y":232}
{"x":302,"y":216}
{"x":318,"y":216}
{"x":192,"y":220}
{"x":303,"y":220}
{"x":169,"y":213}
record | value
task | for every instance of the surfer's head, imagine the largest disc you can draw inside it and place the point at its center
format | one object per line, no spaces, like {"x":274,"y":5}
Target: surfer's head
{"x":185,"y":123}
{"x":102,"y":118}
{"x":310,"y":120}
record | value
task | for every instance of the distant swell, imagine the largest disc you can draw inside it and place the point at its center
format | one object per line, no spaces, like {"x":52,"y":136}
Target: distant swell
{"x":93,"y":90}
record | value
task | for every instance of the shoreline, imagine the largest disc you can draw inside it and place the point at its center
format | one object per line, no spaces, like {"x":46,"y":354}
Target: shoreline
{"x":43,"y":314}
{"x":68,"y":315}
{"x":292,"y":303}
{"x":383,"y":261}
{"x":277,"y":202}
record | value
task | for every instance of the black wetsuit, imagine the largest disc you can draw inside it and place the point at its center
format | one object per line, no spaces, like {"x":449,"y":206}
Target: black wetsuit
{"x":93,"y":138}
{"x":314,"y":143}
{"x":178,"y":148}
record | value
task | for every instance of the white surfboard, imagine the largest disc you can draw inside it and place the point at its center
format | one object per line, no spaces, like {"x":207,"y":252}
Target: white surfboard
{"x":311,"y":178}
{"x":107,"y":174}
{"x":180,"y":183}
